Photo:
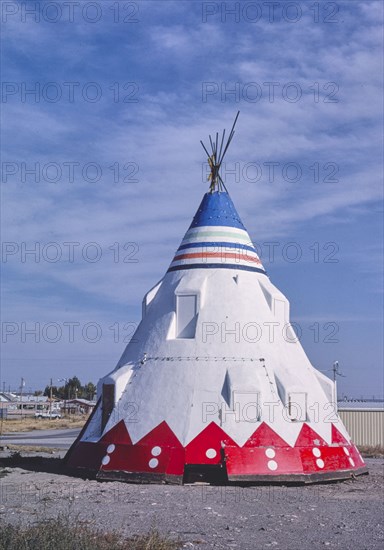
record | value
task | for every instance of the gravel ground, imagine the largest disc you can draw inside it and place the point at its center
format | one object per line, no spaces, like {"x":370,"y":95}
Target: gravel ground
{"x":342,"y":515}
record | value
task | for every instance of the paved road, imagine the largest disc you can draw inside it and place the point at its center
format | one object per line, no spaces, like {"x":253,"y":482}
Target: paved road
{"x":58,"y":439}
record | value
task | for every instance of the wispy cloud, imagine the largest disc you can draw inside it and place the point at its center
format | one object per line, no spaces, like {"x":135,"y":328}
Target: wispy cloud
{"x":168,"y":55}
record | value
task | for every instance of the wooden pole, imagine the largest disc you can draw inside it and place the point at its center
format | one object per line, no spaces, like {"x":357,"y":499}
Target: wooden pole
{"x":50,"y":401}
{"x":21,"y":397}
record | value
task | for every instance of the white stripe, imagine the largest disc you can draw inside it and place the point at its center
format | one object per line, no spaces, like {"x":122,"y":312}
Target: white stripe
{"x":200,"y":237}
{"x":193,"y":233}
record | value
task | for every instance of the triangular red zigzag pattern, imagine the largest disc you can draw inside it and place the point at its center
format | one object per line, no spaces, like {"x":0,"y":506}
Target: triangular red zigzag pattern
{"x":264,"y":453}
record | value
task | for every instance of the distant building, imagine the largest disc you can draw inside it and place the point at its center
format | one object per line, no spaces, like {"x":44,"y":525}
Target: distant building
{"x":358,"y":404}
{"x":364,"y":420}
{"x":7,"y":397}
{"x":79,"y":406}
{"x":25,"y":405}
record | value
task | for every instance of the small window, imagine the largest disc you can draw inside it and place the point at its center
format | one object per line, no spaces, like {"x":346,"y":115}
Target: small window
{"x":186,"y":315}
{"x":297,"y":406}
{"x":247,"y":405}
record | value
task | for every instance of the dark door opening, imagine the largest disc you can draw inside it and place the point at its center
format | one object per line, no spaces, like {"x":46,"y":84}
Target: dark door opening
{"x":214,"y":474}
{"x":107,"y":403}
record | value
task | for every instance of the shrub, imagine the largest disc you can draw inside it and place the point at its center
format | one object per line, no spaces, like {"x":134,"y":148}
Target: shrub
{"x":64,"y":534}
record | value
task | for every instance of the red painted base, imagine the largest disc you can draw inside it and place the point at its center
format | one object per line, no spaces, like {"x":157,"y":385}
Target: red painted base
{"x":265,"y":457}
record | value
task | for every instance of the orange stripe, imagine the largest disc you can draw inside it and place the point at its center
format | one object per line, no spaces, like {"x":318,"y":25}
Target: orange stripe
{"x":201,"y":255}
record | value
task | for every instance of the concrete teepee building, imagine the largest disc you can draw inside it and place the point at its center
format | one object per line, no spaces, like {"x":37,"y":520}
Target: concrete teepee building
{"x":215,"y":383}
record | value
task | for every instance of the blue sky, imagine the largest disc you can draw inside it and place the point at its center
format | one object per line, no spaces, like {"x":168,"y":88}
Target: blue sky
{"x":161,"y":71}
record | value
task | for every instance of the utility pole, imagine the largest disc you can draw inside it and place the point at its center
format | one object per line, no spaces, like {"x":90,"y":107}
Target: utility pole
{"x":50,"y":401}
{"x":66,"y":389}
{"x":335,"y":368}
{"x":336,"y":372}
{"x":21,"y":396}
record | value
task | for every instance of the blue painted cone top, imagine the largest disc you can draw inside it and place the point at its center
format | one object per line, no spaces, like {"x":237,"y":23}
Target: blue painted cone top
{"x":217,"y":208}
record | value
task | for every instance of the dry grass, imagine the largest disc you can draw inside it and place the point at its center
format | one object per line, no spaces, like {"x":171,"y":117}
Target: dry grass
{"x":29,"y":424}
{"x":65,"y":534}
{"x":32,"y":448}
{"x":371,"y":452}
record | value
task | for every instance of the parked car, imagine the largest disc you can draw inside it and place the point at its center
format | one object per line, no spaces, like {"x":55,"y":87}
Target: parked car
{"x":47,"y":414}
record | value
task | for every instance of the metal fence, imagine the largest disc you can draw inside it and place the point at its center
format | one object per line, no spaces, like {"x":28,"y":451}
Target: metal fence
{"x":365,"y":426}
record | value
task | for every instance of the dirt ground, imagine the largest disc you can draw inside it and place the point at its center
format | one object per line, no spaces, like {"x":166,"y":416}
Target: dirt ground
{"x":342,"y":515}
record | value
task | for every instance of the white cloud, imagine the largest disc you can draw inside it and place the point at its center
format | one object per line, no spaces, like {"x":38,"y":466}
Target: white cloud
{"x":170,"y":53}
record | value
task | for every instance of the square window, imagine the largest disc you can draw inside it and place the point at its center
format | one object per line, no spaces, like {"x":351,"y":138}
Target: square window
{"x":297,"y":406}
{"x":186,"y":315}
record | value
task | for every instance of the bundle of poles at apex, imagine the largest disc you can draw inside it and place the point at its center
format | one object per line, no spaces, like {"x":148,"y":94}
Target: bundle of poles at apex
{"x":216,"y":158}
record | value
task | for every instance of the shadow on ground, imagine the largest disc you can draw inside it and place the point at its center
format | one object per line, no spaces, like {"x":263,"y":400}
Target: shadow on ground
{"x":50,"y":465}
{"x":57,"y":465}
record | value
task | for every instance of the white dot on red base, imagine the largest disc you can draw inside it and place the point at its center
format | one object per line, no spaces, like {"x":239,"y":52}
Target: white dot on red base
{"x":153,"y":463}
{"x":316,"y":452}
{"x":110,"y":448}
{"x":346,"y":451}
{"x":211,"y":453}
{"x":106,"y":460}
{"x":270,"y":453}
{"x":320,"y":463}
{"x":156,"y":451}
{"x":351,"y":461}
{"x":272,"y":464}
